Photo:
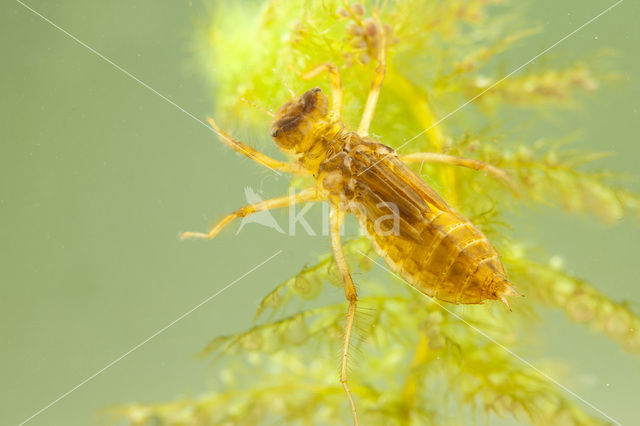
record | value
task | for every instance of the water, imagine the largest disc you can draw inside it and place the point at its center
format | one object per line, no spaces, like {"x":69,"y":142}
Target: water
{"x":100,"y":174}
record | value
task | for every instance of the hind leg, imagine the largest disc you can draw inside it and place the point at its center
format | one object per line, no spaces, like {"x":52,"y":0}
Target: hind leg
{"x":337,"y":217}
{"x":432,"y":157}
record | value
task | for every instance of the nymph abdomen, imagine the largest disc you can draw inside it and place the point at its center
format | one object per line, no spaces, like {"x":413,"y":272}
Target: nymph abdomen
{"x":453,"y":261}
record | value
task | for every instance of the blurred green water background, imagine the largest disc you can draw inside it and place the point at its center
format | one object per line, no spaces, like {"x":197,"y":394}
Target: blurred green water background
{"x":99,"y":175}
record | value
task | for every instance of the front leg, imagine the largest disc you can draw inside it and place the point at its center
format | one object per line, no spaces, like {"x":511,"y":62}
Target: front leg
{"x":337,"y":217}
{"x":254,"y":154}
{"x":433,"y":157}
{"x":306,"y":195}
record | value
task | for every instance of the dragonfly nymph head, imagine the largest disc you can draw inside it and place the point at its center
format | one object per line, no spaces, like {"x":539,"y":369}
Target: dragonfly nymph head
{"x":297,"y":118}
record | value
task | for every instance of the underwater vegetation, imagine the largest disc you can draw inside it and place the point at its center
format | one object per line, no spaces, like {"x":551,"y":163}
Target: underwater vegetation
{"x":418,"y":361}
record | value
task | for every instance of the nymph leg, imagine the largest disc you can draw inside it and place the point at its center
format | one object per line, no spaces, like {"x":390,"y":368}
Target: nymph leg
{"x":306,"y":195}
{"x":432,"y":157}
{"x":254,"y":154}
{"x":337,"y":217}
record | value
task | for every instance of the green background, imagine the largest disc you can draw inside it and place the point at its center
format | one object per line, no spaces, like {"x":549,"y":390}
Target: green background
{"x":98,"y":175}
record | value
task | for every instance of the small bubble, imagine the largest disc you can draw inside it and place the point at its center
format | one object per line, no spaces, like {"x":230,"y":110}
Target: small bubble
{"x":333,"y":275}
{"x":482,"y":82}
{"x":616,"y":325}
{"x":272,"y":341}
{"x":341,"y":11}
{"x":358,"y":9}
{"x":359,"y":43}
{"x":253,"y":341}
{"x":297,"y":331}
{"x":364,"y":58}
{"x":348,"y":59}
{"x":370,"y":27}
{"x":354,"y":29}
{"x":556,"y":262}
{"x":138,"y":414}
{"x":306,"y":287}
{"x":580,"y":307}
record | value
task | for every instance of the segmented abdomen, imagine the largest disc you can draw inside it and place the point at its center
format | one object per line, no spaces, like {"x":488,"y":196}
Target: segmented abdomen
{"x":435,"y":249}
{"x":452,"y":260}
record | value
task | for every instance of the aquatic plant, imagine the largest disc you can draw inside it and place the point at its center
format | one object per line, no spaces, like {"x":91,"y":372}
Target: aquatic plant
{"x":419,"y":361}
